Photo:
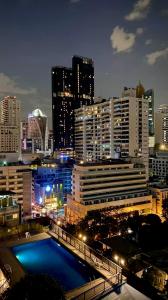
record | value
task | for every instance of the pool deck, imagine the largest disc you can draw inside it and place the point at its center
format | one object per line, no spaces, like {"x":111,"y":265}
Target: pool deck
{"x":104,"y":273}
{"x":18,"y":272}
{"x":7,"y":256}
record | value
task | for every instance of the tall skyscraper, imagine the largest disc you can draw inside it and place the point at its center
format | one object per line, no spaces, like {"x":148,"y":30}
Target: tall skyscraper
{"x":149,"y":95}
{"x":161,"y":128}
{"x":71,"y":88}
{"x":62,"y":107}
{"x":10,"y":139}
{"x":38,"y":130}
{"x":83,"y":81}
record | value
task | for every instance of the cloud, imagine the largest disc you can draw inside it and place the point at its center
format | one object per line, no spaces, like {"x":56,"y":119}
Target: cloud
{"x":121,"y":40}
{"x":139,"y":30}
{"x":140,"y":10}
{"x":154,"y":56}
{"x":148,"y":42}
{"x":10,"y":86}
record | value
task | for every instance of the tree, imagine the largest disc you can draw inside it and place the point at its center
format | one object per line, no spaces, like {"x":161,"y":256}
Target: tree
{"x":33,"y":287}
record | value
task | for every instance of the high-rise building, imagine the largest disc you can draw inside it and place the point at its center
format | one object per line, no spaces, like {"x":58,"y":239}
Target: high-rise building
{"x":62,"y":107}
{"x":10,"y":111}
{"x":161,"y":128}
{"x":114,"y":186}
{"x":113,"y":128}
{"x":130,"y":127}
{"x":10,"y":139}
{"x":83,"y":81}
{"x":71,"y":88}
{"x":149,"y":95}
{"x":38,"y":130}
{"x":93,"y":132}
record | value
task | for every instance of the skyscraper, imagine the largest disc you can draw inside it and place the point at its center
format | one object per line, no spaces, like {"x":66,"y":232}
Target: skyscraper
{"x":71,"y":88}
{"x":149,"y":95}
{"x":10,"y":140}
{"x":62,"y":107}
{"x":38,"y":130}
{"x":161,"y":128}
{"x":83,"y":81}
{"x":10,"y":111}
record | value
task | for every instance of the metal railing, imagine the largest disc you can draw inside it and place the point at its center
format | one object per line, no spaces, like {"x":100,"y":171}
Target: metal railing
{"x":99,"y":289}
{"x":90,"y":254}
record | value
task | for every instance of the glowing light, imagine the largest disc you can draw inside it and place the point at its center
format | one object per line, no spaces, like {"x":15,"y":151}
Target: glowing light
{"x":116,"y":257}
{"x":122,"y":262}
{"x":84,"y":238}
{"x":40,"y":200}
{"x":48,"y":188}
{"x":80,"y":235}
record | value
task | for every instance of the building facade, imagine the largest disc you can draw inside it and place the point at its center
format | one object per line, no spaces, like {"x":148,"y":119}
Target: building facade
{"x":116,"y":186}
{"x":161,"y":128}
{"x":71,"y":88}
{"x":158,"y":165}
{"x":93,"y":132}
{"x":10,"y":133}
{"x":9,"y":209}
{"x":113,"y":128}
{"x":130,"y":127}
{"x":149,"y":95}
{"x":38,"y":130}
{"x":18,"y":179}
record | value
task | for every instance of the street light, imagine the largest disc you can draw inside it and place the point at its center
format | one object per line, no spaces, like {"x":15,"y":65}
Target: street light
{"x":119,"y":260}
{"x":58,"y":222}
{"x":82,"y":237}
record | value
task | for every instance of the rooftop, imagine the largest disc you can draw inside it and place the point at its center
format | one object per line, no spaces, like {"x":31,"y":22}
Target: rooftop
{"x":112,"y":161}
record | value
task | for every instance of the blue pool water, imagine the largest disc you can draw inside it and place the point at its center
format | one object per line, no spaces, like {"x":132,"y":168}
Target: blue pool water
{"x":49,"y":257}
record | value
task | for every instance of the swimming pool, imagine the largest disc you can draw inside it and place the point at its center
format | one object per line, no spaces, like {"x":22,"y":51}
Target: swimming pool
{"x":49,"y":257}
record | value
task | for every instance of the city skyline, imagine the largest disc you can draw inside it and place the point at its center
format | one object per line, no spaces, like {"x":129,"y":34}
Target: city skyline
{"x":127,"y":42}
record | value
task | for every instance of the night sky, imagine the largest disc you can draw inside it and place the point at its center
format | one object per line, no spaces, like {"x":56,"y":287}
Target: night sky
{"x":127,"y":39}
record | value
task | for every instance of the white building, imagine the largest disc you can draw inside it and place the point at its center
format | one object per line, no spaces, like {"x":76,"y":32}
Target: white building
{"x":130,"y":127}
{"x":113,"y":128}
{"x":93,"y":132}
{"x":115,"y":186}
{"x":38,"y":130}
{"x":161,"y":127}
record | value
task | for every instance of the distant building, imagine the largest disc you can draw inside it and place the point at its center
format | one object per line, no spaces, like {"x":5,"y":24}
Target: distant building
{"x":130,"y":126}
{"x":18,"y":179}
{"x":10,"y":111}
{"x":161,"y":128}
{"x":149,"y":95}
{"x":93,"y":132}
{"x":159,"y":194}
{"x":116,"y":186}
{"x":71,"y":88}
{"x":38,"y":130}
{"x":24,"y":134}
{"x":83,"y":81}
{"x":9,"y":209}
{"x":10,"y":135}
{"x":52,"y":183}
{"x":9,"y":139}
{"x":158,"y":165}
